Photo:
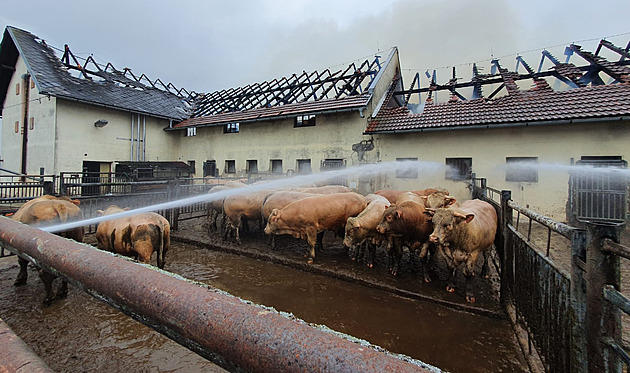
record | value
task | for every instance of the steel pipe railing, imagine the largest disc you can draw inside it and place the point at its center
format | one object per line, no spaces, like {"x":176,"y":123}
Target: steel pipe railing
{"x":16,"y":356}
{"x":227,"y":330}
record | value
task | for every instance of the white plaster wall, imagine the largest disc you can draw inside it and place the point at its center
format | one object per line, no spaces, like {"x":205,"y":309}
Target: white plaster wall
{"x":42,"y":110}
{"x":488,"y":148}
{"x":79,"y":140}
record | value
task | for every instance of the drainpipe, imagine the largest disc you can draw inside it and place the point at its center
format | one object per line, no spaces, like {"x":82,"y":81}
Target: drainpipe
{"x":26,"y":81}
{"x":144,"y":138}
{"x":131,"y":140}
{"x":138,"y":141}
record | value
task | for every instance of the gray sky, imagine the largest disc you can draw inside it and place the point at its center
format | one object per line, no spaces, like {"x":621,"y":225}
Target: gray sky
{"x":212,"y":45}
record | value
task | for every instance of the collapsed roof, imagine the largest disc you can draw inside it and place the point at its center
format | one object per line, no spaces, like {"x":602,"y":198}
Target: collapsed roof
{"x":307,"y":93}
{"x":586,"y":95}
{"x":87,"y":81}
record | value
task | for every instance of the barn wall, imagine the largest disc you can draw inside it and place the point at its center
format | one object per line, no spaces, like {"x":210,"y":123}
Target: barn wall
{"x":488,"y":148}
{"x":331,"y":138}
{"x":42,"y":110}
{"x":79,"y":140}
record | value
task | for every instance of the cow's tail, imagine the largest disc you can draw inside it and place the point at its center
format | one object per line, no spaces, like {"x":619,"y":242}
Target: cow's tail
{"x":158,"y":243}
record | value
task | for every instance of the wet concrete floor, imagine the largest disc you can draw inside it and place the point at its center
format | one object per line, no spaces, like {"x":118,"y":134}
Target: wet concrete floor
{"x":81,"y":334}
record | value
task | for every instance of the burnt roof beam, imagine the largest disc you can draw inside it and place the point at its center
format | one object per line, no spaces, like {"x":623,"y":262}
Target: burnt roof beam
{"x":618,"y":72}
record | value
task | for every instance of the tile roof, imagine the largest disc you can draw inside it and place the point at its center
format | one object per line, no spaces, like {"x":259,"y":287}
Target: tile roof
{"x":328,"y":105}
{"x":114,"y":90}
{"x":540,"y":104}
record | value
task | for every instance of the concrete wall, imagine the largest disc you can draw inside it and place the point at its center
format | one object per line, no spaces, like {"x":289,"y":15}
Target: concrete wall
{"x":488,"y":148}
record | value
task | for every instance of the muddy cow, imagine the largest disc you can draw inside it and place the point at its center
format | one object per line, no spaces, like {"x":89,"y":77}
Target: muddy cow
{"x":136,"y":236}
{"x":308,"y":217}
{"x":361,"y":230}
{"x":462,"y":233}
{"x":405,"y":224}
{"x":50,"y":210}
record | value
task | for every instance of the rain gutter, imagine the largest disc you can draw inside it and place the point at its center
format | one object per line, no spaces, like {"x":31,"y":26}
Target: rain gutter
{"x":502,"y":125}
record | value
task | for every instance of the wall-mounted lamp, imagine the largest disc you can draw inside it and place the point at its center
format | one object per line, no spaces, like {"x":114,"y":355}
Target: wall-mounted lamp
{"x":100,"y":123}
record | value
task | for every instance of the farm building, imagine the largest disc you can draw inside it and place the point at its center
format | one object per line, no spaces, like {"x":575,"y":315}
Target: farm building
{"x":62,"y":114}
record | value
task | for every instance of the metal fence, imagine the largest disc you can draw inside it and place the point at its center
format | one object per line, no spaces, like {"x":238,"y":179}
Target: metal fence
{"x":565,"y":313}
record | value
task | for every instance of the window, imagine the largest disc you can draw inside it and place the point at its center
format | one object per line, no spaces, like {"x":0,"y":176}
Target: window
{"x":231,"y":128}
{"x":276,"y":166}
{"x":458,"y":169}
{"x":334,"y":164}
{"x":191,"y":131}
{"x":304,"y":121}
{"x":230,"y":166}
{"x":521,"y":169}
{"x":252,"y":166}
{"x":193,"y":168}
{"x":406,"y":171}
{"x":210,"y":168}
{"x":304,"y":166}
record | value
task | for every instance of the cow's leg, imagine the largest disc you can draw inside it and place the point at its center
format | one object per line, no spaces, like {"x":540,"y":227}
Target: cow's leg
{"x":369,"y":253}
{"x":398,"y":252}
{"x":312,"y":238}
{"x":485,"y":268}
{"x":353,"y":252}
{"x":23,"y":274}
{"x":469,"y":274}
{"x":424,"y":261}
{"x":62,"y":292}
{"x":47,"y":279}
{"x":450,"y":286}
{"x":320,"y":241}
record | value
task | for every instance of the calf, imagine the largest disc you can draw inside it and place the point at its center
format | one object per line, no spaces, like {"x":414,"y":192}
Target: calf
{"x":136,"y":236}
{"x":51,"y":210}
{"x":361,"y":230}
{"x":308,"y":217}
{"x":462,"y":234}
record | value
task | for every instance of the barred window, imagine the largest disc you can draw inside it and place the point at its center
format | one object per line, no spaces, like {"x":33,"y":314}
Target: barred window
{"x":458,"y":168}
{"x":403,"y":172}
{"x":276,"y":166}
{"x":304,"y":121}
{"x":521,"y":169}
{"x":304,"y":166}
{"x":230,"y":166}
{"x":252,"y":166}
{"x":231,"y":128}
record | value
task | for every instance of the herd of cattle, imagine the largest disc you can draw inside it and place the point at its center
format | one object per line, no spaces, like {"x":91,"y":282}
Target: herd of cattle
{"x":428,"y":222}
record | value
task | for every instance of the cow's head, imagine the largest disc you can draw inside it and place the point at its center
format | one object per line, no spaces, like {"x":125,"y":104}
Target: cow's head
{"x":445,"y":223}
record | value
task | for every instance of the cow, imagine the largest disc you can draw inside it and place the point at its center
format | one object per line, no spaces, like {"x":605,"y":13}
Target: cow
{"x":136,"y":236}
{"x":278,"y":200}
{"x":392,"y":195}
{"x":361,"y":230}
{"x":215,"y":206}
{"x":308,"y":217}
{"x":240,"y":208}
{"x":50,"y":210}
{"x":462,"y":233}
{"x":404,"y":223}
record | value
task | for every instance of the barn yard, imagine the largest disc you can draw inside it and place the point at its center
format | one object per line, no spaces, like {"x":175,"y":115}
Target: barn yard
{"x":369,"y":303}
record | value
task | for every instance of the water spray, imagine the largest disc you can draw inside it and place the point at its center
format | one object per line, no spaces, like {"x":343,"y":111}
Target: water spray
{"x":292,"y":182}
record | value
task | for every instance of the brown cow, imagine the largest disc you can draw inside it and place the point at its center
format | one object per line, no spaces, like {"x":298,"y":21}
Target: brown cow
{"x":361,"y":230}
{"x":136,"y":236}
{"x":48,"y":209}
{"x":278,"y":200}
{"x":239,"y":209}
{"x":392,"y":195}
{"x":308,"y":217}
{"x":405,"y":223}
{"x":462,"y":234}
{"x":216,"y":215}
{"x":326,"y":189}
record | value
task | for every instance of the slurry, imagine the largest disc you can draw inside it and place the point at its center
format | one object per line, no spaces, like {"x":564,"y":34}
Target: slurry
{"x":295,"y":181}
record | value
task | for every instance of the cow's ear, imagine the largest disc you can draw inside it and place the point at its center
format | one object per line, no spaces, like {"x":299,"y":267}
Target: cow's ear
{"x":429,"y":212}
{"x":99,"y":212}
{"x":399,"y":214}
{"x":469,"y":217}
{"x":126,"y":209}
{"x":75,"y":201}
{"x":449,"y":200}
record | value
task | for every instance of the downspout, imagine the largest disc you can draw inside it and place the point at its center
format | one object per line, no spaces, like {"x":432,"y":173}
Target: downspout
{"x":138,"y":141}
{"x":131,"y":140}
{"x":26,"y":82}
{"x":144,"y":138}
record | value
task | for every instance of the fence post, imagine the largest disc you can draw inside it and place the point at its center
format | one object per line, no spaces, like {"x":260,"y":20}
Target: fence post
{"x":507,"y":252}
{"x":579,"y":350}
{"x":603,"y":320}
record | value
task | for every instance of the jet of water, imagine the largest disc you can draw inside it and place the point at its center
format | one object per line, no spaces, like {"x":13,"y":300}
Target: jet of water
{"x":422,"y":168}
